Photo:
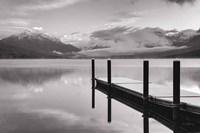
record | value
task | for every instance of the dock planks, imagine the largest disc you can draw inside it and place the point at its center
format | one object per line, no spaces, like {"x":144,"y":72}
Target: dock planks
{"x":155,"y":90}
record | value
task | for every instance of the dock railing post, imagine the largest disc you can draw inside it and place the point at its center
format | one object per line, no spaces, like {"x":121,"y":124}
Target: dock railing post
{"x":176,"y":96}
{"x":93,"y":83}
{"x":109,"y":89}
{"x":145,"y":96}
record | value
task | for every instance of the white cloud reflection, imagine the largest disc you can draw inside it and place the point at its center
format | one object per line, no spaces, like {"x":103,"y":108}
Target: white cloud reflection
{"x":74,"y":123}
{"x":73,"y":80}
{"x":21,"y":96}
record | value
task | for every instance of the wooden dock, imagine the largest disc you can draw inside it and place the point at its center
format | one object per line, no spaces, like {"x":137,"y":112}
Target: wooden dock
{"x":168,"y":105}
{"x":155,"y":90}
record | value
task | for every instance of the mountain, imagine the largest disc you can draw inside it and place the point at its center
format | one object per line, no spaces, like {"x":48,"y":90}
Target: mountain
{"x":147,"y":42}
{"x":38,"y":44}
{"x":189,"y":47}
{"x":10,"y":52}
{"x":118,"y":42}
{"x":123,"y":41}
{"x":180,"y":38}
{"x":127,"y":39}
{"x":192,"y":48}
{"x":7,"y":51}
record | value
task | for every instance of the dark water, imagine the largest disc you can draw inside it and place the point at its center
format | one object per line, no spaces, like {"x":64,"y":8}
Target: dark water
{"x":54,"y":96}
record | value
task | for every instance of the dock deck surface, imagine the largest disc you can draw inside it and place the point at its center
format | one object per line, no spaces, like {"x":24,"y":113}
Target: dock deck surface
{"x":155,"y":90}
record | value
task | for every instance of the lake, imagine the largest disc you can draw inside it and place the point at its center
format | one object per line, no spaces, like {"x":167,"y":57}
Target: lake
{"x":54,"y":96}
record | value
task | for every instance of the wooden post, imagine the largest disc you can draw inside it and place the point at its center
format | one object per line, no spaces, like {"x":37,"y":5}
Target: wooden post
{"x":145,"y":96}
{"x":93,"y":83}
{"x":109,"y":89}
{"x":176,"y":96}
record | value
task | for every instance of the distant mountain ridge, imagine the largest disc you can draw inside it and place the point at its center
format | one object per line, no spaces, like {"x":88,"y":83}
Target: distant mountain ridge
{"x":136,"y":38}
{"x":31,"y":34}
{"x":147,"y":42}
{"x":39,"y":44}
{"x":118,"y":42}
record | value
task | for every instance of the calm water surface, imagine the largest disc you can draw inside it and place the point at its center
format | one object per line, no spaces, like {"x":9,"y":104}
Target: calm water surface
{"x":54,"y":96}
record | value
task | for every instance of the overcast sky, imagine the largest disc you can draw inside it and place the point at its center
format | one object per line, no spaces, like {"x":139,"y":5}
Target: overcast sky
{"x":67,"y":16}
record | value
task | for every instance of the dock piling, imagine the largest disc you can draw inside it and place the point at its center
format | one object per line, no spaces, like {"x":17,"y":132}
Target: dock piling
{"x":109,"y":91}
{"x":145,"y":96}
{"x":93,"y":83}
{"x":176,"y":96}
{"x":177,"y":116}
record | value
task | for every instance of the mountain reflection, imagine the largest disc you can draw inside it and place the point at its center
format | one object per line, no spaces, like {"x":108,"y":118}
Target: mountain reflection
{"x":33,"y":76}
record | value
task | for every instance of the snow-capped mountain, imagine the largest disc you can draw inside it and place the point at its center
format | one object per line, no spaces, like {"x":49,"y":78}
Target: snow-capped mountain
{"x":116,"y":42}
{"x":182,"y":36}
{"x":150,"y":37}
{"x":38,"y":42}
{"x":127,"y":39}
{"x":134,"y":38}
{"x":136,"y":41}
{"x":34,"y":34}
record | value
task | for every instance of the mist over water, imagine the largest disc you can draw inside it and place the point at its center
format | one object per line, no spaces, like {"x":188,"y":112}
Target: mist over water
{"x":54,"y":96}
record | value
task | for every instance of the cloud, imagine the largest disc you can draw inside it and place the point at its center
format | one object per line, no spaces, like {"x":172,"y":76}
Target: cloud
{"x":17,"y":27}
{"x":75,"y":37}
{"x":122,"y":22}
{"x":16,"y":22}
{"x":48,"y":4}
{"x":181,"y":2}
{"x":133,"y":1}
{"x":109,"y":34}
{"x":38,"y":28}
{"x":129,"y":14}
{"x":126,"y":18}
{"x":9,"y":26}
{"x":126,"y":41}
{"x":22,"y":7}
